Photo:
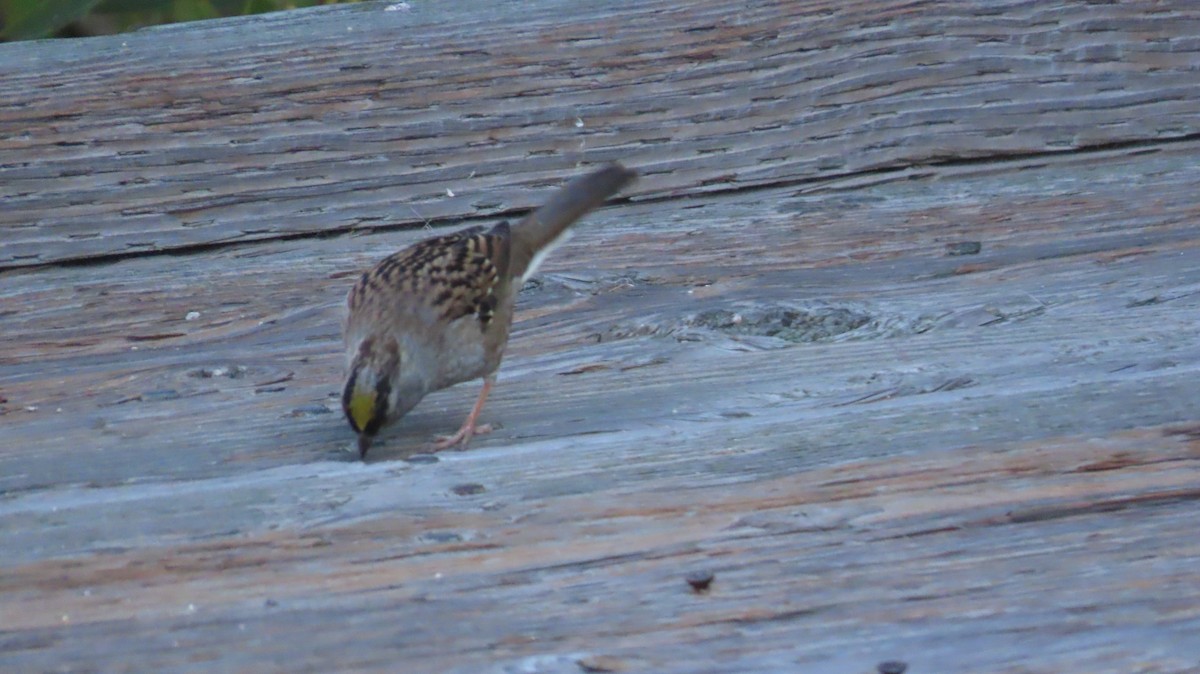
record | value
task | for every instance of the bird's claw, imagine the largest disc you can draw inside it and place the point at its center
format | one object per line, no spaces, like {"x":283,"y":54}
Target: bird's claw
{"x":461,"y":438}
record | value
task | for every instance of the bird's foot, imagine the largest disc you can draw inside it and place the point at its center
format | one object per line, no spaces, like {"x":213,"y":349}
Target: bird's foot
{"x":461,"y":438}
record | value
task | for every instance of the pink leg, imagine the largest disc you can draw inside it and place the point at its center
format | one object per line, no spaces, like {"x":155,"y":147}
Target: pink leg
{"x":469,"y":429}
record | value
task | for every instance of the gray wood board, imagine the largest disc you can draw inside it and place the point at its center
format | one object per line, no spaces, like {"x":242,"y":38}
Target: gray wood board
{"x":881,"y":450}
{"x":897,"y":338}
{"x":395,"y":115}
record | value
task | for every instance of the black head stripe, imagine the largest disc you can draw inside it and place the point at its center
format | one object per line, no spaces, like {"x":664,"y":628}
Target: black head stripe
{"x":346,"y":393}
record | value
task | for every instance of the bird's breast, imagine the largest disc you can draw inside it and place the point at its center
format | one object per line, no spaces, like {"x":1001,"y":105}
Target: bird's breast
{"x":466,"y":350}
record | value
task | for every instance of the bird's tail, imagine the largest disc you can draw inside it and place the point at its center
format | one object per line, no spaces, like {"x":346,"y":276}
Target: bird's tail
{"x":540,"y":231}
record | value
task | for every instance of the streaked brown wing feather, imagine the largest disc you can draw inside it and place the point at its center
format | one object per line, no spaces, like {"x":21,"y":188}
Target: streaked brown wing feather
{"x":455,"y":274}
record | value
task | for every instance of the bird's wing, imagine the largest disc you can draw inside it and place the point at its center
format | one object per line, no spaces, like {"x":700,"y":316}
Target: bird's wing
{"x":455,"y":275}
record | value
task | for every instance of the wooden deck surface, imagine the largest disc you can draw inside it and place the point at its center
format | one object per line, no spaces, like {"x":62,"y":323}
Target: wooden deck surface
{"x":898,"y":338}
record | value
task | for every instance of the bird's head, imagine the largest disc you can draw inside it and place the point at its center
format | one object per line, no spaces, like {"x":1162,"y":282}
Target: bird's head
{"x":377,"y":392}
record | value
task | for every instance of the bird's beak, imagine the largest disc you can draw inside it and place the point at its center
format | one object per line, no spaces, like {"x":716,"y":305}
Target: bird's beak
{"x":364,"y":443}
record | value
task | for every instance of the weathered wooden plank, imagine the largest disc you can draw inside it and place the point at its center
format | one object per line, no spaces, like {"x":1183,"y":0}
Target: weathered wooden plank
{"x":905,"y":556}
{"x":97,"y":326}
{"x":994,"y":471}
{"x":361,"y":117}
{"x":898,"y":339}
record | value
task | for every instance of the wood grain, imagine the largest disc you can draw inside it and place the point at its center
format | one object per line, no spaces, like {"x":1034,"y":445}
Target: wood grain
{"x":931,"y":402}
{"x":360,"y":118}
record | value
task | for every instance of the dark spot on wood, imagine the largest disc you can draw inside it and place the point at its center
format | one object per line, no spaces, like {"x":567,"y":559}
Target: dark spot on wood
{"x":1144,"y":302}
{"x":310,"y":410}
{"x":587,"y":367}
{"x":598,"y":664}
{"x":700,"y":581}
{"x":154,"y":337}
{"x":1117,"y":461}
{"x":1189,"y":432}
{"x":468,"y":489}
{"x":963,"y":248}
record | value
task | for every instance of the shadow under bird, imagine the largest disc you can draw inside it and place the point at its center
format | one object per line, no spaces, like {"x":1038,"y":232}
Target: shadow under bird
{"x":438,"y":312}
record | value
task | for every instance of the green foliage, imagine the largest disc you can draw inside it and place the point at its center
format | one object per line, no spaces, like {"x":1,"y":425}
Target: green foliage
{"x":32,"y":19}
{"x":259,"y":6}
{"x":193,"y":10}
{"x":26,"y":19}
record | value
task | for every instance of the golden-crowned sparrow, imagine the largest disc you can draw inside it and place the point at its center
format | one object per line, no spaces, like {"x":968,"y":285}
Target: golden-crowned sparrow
{"x":438,"y":312}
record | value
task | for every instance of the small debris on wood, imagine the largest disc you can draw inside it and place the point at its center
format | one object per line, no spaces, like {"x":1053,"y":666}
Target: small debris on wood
{"x":963,"y":248}
{"x":468,"y":489}
{"x":591,"y":367}
{"x":278,"y":380}
{"x":700,"y":581}
{"x":230,"y":371}
{"x":310,"y":410}
{"x":892,"y":667}
{"x":1144,"y":302}
{"x":422,"y":458}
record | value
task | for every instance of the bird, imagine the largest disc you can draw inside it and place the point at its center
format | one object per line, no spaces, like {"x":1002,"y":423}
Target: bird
{"x":438,"y":312}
